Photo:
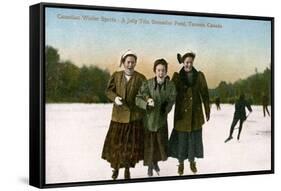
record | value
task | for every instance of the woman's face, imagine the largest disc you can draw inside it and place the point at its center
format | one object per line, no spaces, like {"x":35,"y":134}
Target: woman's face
{"x":160,"y":71}
{"x":188,"y":63}
{"x":130,"y":63}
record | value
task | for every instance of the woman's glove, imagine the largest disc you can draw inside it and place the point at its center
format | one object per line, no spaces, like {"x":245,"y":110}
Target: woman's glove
{"x":118,"y":101}
{"x":150,"y":102}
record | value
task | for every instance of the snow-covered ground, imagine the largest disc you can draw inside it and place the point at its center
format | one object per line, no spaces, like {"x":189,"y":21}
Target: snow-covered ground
{"x":75,"y":134}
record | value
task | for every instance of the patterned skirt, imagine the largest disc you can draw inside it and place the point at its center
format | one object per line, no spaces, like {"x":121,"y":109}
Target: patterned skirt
{"x":123,"y":145}
{"x":155,"y":145}
{"x":186,"y":145}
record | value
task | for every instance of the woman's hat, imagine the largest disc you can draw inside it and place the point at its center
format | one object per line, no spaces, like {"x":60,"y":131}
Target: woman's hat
{"x":187,"y":54}
{"x":127,"y":53}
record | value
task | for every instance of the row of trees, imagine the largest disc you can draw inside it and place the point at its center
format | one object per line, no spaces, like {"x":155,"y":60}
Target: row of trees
{"x":65,"y":82}
{"x":254,"y":87}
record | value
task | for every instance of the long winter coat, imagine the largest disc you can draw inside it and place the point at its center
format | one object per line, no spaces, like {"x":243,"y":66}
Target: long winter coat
{"x":188,"y":107}
{"x":118,"y":86}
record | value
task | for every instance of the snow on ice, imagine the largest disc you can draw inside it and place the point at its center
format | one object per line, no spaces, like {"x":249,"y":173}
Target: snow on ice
{"x":75,"y":135}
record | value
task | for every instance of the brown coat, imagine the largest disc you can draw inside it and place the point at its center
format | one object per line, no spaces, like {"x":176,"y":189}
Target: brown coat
{"x":188,"y":107}
{"x":118,"y":86}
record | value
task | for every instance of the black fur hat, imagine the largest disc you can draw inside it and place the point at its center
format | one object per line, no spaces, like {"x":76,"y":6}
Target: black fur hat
{"x":182,"y":58}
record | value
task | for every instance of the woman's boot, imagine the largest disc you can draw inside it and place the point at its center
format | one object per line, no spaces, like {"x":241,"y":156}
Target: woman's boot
{"x":193,"y":167}
{"x":156,"y":168}
{"x":180,"y":168}
{"x":127,"y":173}
{"x":115,"y":174}
{"x":150,"y":170}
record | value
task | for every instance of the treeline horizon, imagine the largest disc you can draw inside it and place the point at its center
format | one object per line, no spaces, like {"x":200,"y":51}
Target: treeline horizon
{"x":254,"y":87}
{"x":68,"y":83}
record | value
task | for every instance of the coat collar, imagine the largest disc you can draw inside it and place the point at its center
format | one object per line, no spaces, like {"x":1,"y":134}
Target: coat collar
{"x":131,"y":78}
{"x":184,"y":79}
{"x":167,"y":78}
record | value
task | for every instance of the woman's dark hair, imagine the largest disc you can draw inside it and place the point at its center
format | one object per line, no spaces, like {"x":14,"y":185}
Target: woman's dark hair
{"x":162,"y":62}
{"x":124,"y":58}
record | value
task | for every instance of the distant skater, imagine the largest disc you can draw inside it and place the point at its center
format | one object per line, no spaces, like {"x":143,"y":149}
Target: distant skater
{"x":264,"y":105}
{"x":239,"y":115}
{"x":218,"y":102}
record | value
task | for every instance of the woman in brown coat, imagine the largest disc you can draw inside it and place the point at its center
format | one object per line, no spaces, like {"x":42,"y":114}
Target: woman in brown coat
{"x":186,"y":138}
{"x":123,"y":145}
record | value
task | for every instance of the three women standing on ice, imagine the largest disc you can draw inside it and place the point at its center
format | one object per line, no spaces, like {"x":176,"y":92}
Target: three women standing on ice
{"x":129,"y":140}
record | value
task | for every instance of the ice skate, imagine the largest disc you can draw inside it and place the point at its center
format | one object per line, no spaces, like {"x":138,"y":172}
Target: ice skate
{"x":180,"y":169}
{"x":193,"y":167}
{"x":156,"y":168}
{"x":228,"y":139}
{"x":115,"y":174}
{"x":127,"y":173}
{"x":150,"y":171}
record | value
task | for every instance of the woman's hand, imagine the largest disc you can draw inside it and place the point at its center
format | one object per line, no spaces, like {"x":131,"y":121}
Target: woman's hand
{"x":118,"y":101}
{"x":150,"y":102}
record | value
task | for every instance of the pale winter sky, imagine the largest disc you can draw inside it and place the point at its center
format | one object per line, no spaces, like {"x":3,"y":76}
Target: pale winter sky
{"x":228,"y":52}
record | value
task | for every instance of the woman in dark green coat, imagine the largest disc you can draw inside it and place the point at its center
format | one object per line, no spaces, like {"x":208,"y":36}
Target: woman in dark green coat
{"x":186,"y":138}
{"x":156,"y":96}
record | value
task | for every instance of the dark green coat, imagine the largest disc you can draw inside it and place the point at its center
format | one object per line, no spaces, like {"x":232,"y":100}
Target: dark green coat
{"x":188,"y":107}
{"x":117,"y":86}
{"x":164,"y":98}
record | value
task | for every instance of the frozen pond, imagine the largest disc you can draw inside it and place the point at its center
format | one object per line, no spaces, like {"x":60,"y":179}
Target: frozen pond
{"x":75,"y":134}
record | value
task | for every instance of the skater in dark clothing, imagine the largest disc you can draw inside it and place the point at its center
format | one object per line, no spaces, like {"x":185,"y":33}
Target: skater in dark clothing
{"x":264,"y":105}
{"x":239,"y":115}
{"x":218,"y":101}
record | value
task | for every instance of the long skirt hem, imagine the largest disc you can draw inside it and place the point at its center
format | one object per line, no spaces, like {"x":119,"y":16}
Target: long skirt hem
{"x":123,"y":145}
{"x":155,"y":145}
{"x":186,"y":145}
